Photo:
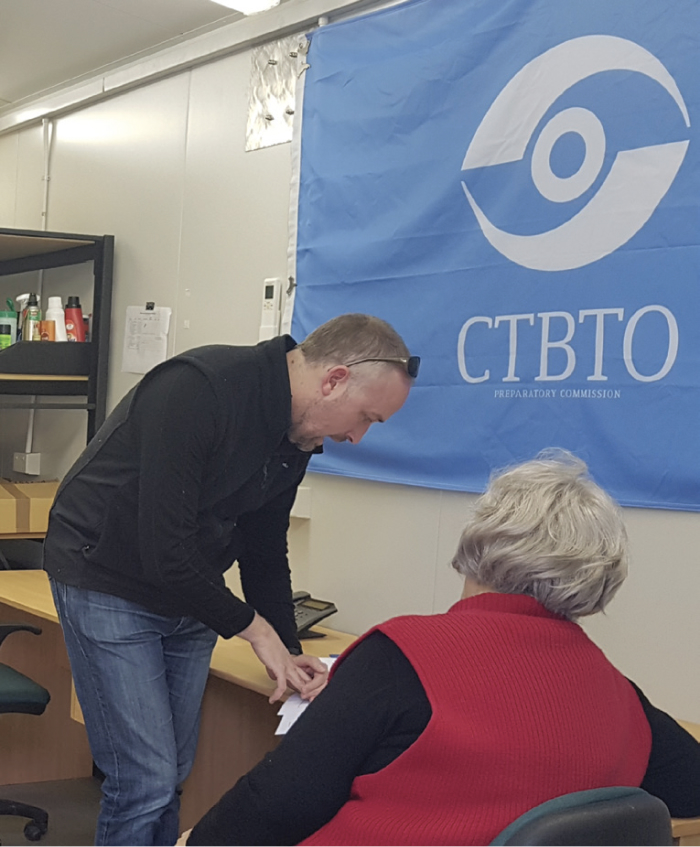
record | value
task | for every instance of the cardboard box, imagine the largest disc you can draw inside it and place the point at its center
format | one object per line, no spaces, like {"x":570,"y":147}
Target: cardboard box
{"x":25,"y":506}
{"x":8,"y":511}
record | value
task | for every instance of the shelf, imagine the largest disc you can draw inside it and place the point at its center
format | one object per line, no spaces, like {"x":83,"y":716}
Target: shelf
{"x":26,"y":250}
{"x":43,"y":377}
{"x":60,"y":369}
{"x":46,"y":368}
{"x":46,"y":359}
{"x":46,"y":387}
{"x":51,"y":407}
{"x":22,"y":245}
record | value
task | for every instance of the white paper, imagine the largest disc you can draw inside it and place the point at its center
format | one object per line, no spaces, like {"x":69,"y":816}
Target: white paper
{"x":145,"y":338}
{"x":293,"y":707}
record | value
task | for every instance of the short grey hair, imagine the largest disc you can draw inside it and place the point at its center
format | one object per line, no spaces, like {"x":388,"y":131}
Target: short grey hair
{"x":545,"y":529}
{"x":350,"y":337}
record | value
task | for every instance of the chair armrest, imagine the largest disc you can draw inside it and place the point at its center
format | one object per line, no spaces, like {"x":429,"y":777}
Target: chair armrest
{"x":8,"y":628}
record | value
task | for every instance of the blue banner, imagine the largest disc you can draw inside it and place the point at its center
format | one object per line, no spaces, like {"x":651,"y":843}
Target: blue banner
{"x":515,"y":186}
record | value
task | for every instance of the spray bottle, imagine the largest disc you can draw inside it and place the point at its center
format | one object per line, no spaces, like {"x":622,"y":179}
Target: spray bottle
{"x":32,"y":316}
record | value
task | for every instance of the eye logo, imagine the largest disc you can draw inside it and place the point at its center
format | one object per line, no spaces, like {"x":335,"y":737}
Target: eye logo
{"x":638,"y":178}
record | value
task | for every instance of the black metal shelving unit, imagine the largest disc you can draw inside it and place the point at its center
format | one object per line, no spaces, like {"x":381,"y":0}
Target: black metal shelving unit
{"x":60,"y":369}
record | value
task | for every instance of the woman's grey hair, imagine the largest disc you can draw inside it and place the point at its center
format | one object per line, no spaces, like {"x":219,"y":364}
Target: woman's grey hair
{"x":351,"y":337}
{"x":545,"y":529}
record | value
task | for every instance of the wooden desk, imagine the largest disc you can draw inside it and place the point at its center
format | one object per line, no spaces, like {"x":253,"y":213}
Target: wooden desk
{"x":238,"y":723}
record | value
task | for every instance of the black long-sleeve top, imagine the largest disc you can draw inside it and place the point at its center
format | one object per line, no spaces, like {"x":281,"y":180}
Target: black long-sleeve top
{"x":374,"y":708}
{"x":191,"y":472}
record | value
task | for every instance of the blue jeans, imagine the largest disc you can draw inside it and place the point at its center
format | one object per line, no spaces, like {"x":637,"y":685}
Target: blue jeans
{"x":140,"y":679}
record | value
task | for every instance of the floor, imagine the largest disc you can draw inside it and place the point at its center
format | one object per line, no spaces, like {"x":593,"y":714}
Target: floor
{"x":72,"y":805}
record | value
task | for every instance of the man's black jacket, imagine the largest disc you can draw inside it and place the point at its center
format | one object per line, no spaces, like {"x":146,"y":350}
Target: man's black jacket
{"x":191,"y":472}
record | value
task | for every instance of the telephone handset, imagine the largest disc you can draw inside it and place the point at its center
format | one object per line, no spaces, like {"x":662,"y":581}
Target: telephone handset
{"x":309,"y":611}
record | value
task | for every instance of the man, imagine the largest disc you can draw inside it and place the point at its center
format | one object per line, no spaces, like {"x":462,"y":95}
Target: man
{"x":196,"y":468}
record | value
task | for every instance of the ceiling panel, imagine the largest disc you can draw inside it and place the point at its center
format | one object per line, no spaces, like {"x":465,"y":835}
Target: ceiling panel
{"x":45,"y":43}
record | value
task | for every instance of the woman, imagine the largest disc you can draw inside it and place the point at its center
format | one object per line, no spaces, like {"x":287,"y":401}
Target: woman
{"x":442,"y":729}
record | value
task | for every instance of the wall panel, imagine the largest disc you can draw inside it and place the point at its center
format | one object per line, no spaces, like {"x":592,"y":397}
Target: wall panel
{"x":118,"y":168}
{"x":371,"y":549}
{"x":234,"y":231}
{"x":30,"y":182}
{"x":8,"y":179}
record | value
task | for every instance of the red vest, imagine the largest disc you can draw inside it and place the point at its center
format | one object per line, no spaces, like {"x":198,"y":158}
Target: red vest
{"x":525,"y":708}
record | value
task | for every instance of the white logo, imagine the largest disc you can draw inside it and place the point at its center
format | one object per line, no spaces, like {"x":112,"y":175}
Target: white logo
{"x":638,"y":178}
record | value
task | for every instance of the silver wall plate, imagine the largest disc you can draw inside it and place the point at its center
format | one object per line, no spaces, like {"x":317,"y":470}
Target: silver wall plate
{"x":275,"y":68}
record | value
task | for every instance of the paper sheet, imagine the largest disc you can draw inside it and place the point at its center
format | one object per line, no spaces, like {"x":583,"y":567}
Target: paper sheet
{"x":145,"y":338}
{"x":293,"y":707}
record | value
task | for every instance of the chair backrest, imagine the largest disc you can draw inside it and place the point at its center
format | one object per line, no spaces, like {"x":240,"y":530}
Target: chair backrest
{"x":616,"y":815}
{"x":19,"y":693}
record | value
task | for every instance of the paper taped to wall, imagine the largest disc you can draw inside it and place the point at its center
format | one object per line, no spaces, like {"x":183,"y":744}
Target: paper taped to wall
{"x":145,"y":338}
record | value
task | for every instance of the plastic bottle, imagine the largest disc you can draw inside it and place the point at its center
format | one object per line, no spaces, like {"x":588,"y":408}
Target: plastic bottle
{"x":56,"y":314}
{"x":32,"y":316}
{"x":5,"y":335}
{"x":9,"y":318}
{"x":47,"y":330}
{"x":21,"y":301}
{"x":75,"y":328}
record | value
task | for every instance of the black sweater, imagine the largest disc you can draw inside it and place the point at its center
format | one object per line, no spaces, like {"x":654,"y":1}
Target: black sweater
{"x":373,"y":709}
{"x":191,"y":472}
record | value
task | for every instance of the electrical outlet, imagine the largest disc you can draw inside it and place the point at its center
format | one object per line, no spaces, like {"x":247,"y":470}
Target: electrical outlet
{"x":28,"y":463}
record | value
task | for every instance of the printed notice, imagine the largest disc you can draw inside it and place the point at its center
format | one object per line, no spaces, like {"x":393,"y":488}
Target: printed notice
{"x":145,"y":338}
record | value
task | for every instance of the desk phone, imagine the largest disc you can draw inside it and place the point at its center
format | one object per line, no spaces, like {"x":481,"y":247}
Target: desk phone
{"x":309,"y":611}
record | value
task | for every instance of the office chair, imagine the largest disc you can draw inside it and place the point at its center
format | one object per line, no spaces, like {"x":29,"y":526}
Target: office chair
{"x":616,"y":815}
{"x":18,"y":693}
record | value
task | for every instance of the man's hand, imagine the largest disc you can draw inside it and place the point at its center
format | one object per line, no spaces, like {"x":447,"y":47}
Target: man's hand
{"x":318,"y":673}
{"x":182,"y":840}
{"x":298,"y":672}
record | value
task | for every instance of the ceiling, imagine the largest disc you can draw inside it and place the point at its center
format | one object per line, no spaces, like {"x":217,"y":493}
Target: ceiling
{"x":45,"y":43}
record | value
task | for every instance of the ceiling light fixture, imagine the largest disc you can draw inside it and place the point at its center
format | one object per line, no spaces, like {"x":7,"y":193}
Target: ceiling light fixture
{"x":248,"y":7}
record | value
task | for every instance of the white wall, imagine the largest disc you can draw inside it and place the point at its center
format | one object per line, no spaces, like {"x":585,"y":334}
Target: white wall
{"x":199,"y":224}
